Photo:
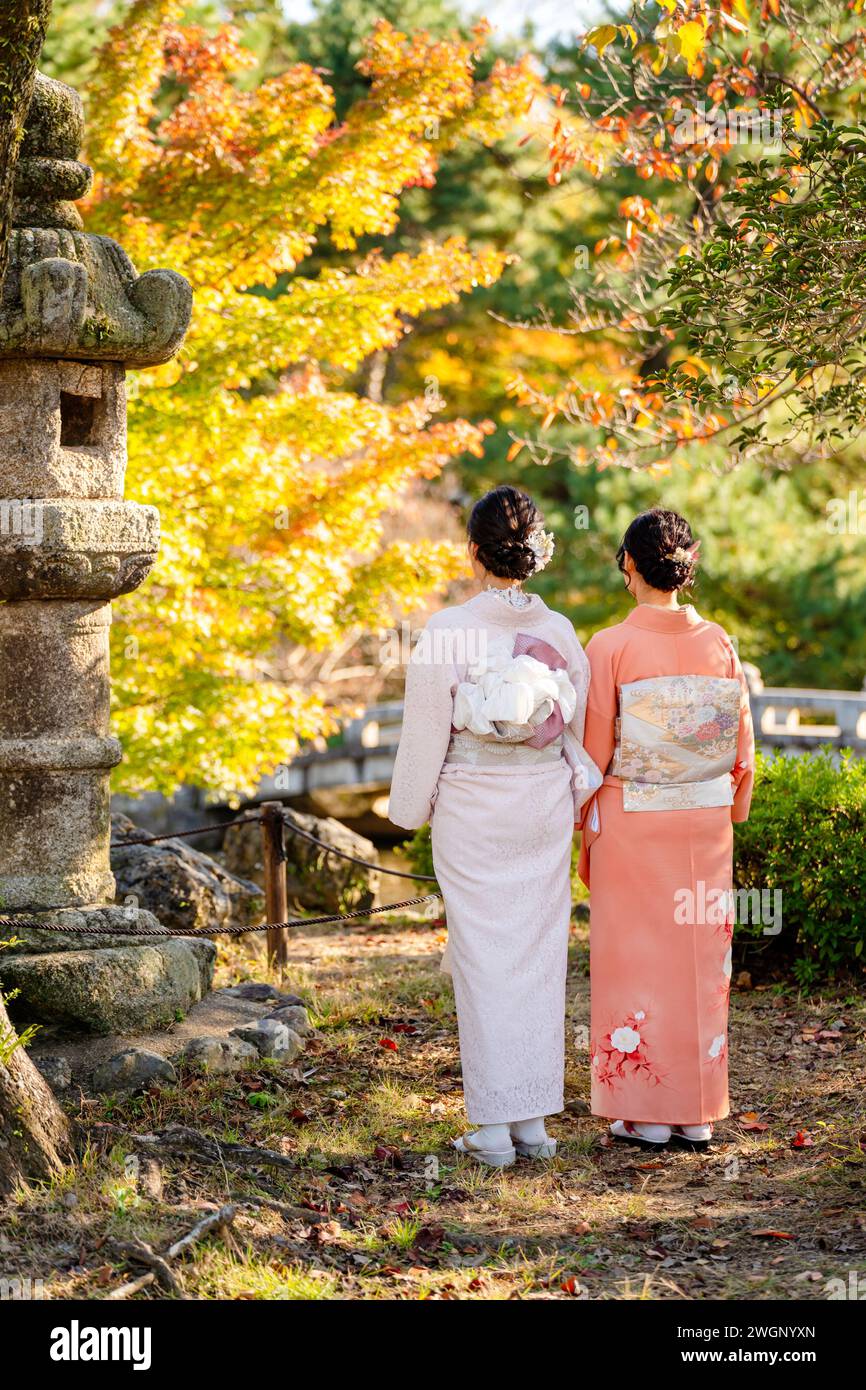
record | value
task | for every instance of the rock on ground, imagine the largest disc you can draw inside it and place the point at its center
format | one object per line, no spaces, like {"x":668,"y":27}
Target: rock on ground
{"x":56,"y":1070}
{"x":133,"y":1070}
{"x":184,"y":888}
{"x":213,"y":1020}
{"x":294,"y":1016}
{"x":317,"y":882}
{"x":257,"y":993}
{"x":271,"y":1039}
{"x":118,"y":990}
{"x":218,"y":1055}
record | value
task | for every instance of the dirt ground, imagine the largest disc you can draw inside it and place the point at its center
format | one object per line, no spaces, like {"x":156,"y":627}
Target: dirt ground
{"x":376,"y":1205}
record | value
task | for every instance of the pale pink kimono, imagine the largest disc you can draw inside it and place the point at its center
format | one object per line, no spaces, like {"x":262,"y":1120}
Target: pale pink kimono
{"x":502,"y":837}
{"x":660,"y":984}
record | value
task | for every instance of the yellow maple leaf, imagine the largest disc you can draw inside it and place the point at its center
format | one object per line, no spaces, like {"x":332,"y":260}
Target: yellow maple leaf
{"x":692,"y":36}
{"x":600,"y":37}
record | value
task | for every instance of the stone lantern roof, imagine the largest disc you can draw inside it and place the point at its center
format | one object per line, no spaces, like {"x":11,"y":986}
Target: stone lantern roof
{"x":68,"y":293}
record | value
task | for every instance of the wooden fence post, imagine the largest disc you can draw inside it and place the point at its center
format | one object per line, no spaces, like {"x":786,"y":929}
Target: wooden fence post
{"x":276,"y":891}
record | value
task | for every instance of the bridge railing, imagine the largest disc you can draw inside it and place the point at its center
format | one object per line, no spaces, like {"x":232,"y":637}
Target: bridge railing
{"x":784,"y":717}
{"x":803,"y":719}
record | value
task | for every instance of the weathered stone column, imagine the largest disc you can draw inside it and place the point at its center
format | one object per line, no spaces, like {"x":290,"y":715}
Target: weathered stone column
{"x":73,"y":316}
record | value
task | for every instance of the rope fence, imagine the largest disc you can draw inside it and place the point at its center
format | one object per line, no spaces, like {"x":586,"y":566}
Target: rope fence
{"x":274,"y":821}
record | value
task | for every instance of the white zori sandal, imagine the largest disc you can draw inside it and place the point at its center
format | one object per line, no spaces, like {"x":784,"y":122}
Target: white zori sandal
{"x":645,"y":1136}
{"x":692,"y":1136}
{"x":494,"y":1158}
{"x":547,"y":1149}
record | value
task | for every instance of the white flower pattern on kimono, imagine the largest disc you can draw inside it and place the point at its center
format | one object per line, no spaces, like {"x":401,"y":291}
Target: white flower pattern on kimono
{"x":623,"y":1054}
{"x":625,"y":1039}
{"x":717,"y":1047}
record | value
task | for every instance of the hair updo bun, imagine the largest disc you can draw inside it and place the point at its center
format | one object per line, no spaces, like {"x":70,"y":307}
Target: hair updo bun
{"x":499,"y":525}
{"x":662,"y":547}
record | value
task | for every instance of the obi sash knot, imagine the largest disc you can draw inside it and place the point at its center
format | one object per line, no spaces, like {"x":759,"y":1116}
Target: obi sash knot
{"x":676,"y":742}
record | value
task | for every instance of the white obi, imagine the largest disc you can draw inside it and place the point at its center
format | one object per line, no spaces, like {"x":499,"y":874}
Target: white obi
{"x":676,"y":742}
{"x":507,"y":698}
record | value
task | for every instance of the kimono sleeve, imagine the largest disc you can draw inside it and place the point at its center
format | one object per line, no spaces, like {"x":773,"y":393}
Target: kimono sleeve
{"x":743,"y":775}
{"x":602,"y":706}
{"x":427,"y":713}
{"x":585,"y":775}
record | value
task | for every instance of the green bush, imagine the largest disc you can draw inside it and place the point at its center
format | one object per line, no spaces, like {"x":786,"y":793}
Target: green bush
{"x":419,"y":852}
{"x":806,"y":835}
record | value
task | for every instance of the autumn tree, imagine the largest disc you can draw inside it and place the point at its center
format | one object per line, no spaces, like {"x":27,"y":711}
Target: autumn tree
{"x":714,"y":336}
{"x":271,"y":473}
{"x":732,"y":289}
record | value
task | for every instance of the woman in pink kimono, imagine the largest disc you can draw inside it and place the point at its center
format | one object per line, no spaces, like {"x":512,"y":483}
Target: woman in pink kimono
{"x":491,"y":755}
{"x":668,"y":720}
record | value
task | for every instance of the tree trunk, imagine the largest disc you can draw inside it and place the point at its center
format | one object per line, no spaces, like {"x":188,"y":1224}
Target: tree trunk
{"x":22,"y":31}
{"x":34,"y":1133}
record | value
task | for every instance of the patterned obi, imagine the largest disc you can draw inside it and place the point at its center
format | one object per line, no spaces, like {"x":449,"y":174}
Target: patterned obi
{"x":470,"y":750}
{"x":676,"y":742}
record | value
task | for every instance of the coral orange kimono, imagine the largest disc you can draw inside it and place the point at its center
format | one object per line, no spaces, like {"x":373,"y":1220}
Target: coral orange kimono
{"x":668,"y":719}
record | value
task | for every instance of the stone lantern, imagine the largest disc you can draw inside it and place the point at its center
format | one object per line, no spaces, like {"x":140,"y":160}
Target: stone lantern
{"x":74,"y":316}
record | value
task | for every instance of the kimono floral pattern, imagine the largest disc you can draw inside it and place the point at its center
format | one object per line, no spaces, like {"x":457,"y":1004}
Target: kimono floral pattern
{"x":676,"y":742}
{"x":624,"y":1053}
{"x":725,"y":929}
{"x":674,"y":728}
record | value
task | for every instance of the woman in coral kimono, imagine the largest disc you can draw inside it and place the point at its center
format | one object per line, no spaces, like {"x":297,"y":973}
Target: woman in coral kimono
{"x":491,"y":754}
{"x":668,"y":721}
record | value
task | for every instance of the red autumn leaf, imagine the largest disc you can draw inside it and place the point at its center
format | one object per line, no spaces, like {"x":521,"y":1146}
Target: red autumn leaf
{"x":749,"y":1120}
{"x":385,"y":1151}
{"x":571,"y":1286}
{"x":774,"y":1235}
{"x":802,"y":1140}
{"x":405,"y":1028}
{"x":389,"y":1043}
